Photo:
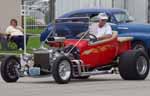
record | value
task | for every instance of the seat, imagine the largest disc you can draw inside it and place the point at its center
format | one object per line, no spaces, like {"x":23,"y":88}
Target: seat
{"x":114,"y":35}
{"x":10,"y":43}
{"x":124,"y":39}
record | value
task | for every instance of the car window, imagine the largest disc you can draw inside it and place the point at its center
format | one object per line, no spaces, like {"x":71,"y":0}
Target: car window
{"x":121,"y":17}
{"x":80,"y":15}
{"x":90,"y":15}
{"x":96,"y":19}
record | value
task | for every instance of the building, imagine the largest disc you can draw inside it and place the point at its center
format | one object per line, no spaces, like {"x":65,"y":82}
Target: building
{"x":139,"y":9}
{"x":9,"y":9}
{"x":136,"y":8}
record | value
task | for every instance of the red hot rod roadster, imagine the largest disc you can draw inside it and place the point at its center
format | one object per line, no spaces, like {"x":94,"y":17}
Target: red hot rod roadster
{"x":79,"y":59}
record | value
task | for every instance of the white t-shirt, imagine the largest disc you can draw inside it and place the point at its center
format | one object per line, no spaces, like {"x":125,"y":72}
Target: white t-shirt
{"x":99,"y":32}
{"x":14,"y":31}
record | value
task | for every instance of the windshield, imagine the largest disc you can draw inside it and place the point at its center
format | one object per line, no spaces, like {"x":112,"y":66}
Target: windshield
{"x":68,"y":27}
{"x":122,"y":17}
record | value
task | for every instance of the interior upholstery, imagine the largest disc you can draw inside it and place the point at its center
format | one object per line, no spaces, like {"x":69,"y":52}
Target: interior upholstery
{"x":124,"y":39}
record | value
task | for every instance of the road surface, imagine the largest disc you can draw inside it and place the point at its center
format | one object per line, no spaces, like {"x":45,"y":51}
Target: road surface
{"x":102,"y":85}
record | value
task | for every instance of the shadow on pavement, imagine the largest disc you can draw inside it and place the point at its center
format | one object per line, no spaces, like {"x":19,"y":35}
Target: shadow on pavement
{"x":90,"y":80}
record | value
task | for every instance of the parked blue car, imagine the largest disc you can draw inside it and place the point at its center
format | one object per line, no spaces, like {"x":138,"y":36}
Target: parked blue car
{"x":119,"y":20}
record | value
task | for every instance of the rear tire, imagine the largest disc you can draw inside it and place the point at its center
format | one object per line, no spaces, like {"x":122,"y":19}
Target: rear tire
{"x":134,"y":65}
{"x":62,"y":70}
{"x":9,"y":69}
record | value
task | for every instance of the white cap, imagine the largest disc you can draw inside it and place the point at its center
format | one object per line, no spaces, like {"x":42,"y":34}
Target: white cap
{"x":102,"y":16}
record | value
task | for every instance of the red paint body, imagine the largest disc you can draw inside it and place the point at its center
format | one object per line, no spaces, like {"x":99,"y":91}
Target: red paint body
{"x":100,"y":54}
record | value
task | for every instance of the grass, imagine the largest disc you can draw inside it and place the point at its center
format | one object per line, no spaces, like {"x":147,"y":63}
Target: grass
{"x":34,"y":42}
{"x":35,"y":30}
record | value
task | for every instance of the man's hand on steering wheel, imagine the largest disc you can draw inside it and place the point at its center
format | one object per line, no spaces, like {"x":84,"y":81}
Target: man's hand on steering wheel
{"x":92,"y":37}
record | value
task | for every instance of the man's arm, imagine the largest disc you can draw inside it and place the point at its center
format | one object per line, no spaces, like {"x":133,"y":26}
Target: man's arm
{"x":107,"y":36}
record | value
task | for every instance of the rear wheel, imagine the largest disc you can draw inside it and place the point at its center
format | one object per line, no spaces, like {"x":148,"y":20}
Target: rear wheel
{"x":134,"y":65}
{"x":62,"y":70}
{"x":10,"y":69}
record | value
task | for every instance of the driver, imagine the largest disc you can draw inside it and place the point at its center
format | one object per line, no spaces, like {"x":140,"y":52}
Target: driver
{"x":102,"y":30}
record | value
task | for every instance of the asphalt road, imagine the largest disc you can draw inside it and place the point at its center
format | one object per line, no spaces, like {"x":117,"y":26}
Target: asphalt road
{"x":103,"y":85}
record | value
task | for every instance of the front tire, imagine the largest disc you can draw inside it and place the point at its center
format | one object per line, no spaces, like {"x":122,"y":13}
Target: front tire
{"x":134,"y":65}
{"x":10,"y":68}
{"x":62,"y":70}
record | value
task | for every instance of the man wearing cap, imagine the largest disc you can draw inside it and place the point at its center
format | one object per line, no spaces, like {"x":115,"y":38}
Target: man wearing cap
{"x":102,"y":30}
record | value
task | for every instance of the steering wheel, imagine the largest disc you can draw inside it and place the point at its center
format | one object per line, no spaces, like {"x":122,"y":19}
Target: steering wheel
{"x":92,"y":37}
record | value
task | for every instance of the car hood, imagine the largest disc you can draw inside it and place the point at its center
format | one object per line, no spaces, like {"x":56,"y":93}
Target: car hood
{"x":135,"y":27}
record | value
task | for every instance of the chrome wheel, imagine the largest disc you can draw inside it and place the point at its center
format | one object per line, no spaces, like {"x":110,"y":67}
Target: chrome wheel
{"x":64,"y":70}
{"x":141,"y":65}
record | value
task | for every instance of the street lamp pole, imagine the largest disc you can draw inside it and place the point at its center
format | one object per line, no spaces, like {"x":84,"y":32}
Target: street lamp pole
{"x":52,"y":10}
{"x":113,"y":3}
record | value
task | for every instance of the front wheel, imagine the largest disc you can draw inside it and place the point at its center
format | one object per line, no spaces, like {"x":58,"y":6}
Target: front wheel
{"x":10,"y":69}
{"x":134,"y":65}
{"x":62,"y":70}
